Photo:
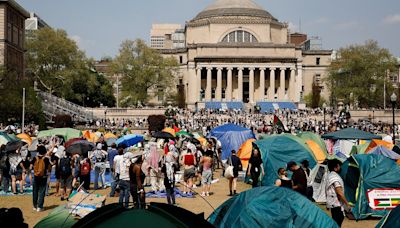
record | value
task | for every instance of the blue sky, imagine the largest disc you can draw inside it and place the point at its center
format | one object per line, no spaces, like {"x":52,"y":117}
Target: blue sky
{"x":99,"y":26}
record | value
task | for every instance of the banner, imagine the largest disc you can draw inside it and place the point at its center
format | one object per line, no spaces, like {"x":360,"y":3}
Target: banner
{"x":383,"y":198}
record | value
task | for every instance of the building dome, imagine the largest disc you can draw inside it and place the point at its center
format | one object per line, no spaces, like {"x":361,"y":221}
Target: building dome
{"x":233,"y":8}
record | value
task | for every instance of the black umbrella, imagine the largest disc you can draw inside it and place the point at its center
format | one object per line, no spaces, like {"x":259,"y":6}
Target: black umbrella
{"x":81,"y":147}
{"x":163,"y":135}
{"x":14,"y":145}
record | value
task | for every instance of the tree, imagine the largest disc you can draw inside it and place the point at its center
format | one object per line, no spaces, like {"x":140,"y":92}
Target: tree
{"x":143,"y":69}
{"x":315,"y":95}
{"x":361,"y":70}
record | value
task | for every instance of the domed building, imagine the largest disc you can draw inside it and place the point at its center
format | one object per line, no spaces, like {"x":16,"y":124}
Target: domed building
{"x":237,"y":53}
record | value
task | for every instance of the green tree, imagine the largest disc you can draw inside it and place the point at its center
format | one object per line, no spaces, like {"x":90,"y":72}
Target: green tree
{"x":361,"y":70}
{"x":143,"y":69}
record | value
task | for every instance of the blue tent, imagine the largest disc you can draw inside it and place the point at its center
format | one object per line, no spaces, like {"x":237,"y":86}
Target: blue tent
{"x":270,"y":207}
{"x":364,"y":172}
{"x":231,"y":137}
{"x":129,"y":140}
{"x":278,"y":150}
{"x":381,"y":150}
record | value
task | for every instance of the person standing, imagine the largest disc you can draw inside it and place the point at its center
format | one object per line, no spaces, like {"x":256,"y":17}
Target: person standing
{"x":299,"y":178}
{"x":206,"y":175}
{"x":84,"y":174}
{"x":283,"y":180}
{"x":255,"y":167}
{"x":117,"y":159}
{"x":41,"y":167}
{"x":168,"y":169}
{"x":237,"y":166}
{"x":335,"y":198}
{"x":189,"y":162}
{"x":112,"y":152}
{"x":66,"y":165}
{"x":124,"y":180}
{"x":136,"y":177}
{"x":305,"y":165}
{"x":99,"y":157}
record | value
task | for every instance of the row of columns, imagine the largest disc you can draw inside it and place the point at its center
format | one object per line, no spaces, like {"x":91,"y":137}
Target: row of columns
{"x":228,"y":96}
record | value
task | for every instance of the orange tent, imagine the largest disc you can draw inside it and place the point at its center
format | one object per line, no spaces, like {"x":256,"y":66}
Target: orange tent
{"x":25,"y":137}
{"x":376,"y":142}
{"x":110,"y":135}
{"x":169,"y":130}
{"x":86,"y":134}
{"x":319,"y":154}
{"x":244,"y":152}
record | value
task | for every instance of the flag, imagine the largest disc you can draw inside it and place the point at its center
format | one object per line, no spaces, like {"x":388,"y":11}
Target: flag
{"x":279,"y":123}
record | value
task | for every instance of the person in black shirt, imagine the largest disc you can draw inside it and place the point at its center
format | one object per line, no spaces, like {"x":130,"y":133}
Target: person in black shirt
{"x":255,"y":167}
{"x":237,"y":166}
{"x":299,"y":178}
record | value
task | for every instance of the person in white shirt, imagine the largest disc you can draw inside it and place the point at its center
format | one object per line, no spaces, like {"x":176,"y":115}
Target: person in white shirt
{"x":335,"y":198}
{"x":117,"y":160}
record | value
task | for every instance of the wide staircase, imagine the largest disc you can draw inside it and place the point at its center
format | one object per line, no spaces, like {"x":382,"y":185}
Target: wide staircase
{"x":53,"y":105}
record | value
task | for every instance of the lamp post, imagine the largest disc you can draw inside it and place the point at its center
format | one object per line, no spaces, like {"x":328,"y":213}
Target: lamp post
{"x":324,"y":109}
{"x":105,"y":117}
{"x":373,"y":115}
{"x":393,"y":99}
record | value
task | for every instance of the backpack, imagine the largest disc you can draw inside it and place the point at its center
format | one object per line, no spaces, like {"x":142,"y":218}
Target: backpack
{"x":85,"y":168}
{"x":39,"y":168}
{"x":65,"y":167}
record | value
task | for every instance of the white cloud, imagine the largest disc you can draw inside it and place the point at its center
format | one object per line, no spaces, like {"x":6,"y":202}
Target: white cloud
{"x":392,"y":19}
{"x":346,"y":25}
{"x":77,"y":39}
{"x":293,"y":27}
{"x":83,"y":44}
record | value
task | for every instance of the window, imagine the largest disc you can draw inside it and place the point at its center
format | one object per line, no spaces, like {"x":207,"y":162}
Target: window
{"x":181,"y":59}
{"x":239,"y":36}
{"x":318,"y":61}
{"x":317,"y":79}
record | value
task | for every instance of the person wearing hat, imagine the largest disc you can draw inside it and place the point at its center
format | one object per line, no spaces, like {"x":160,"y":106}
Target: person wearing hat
{"x":41,"y":167}
{"x":299,"y":178}
{"x":99,"y":157}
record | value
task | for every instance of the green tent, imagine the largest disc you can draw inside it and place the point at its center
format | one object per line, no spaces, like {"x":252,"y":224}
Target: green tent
{"x":270,"y":207}
{"x":315,"y":138}
{"x":350,"y":133}
{"x":359,"y":149}
{"x":66,"y":133}
{"x":278,"y":150}
{"x":365,"y":172}
{"x":392,"y":219}
{"x":59,"y":217}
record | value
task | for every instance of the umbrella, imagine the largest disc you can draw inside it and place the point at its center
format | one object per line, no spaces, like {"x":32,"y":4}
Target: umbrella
{"x":14,"y":145}
{"x":110,"y":135}
{"x":25,"y":137}
{"x":110,"y":141}
{"x":185,"y":133}
{"x":129,"y":140}
{"x":81,"y":147}
{"x":33,"y":146}
{"x":163,"y":135}
{"x":69,"y":142}
{"x":169,"y":130}
{"x":5,"y":138}
{"x":66,"y":133}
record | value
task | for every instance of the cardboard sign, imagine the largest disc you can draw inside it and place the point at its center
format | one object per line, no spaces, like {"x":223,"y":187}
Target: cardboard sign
{"x":383,"y":198}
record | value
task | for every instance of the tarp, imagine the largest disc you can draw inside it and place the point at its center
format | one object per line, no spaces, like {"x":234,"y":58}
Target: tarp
{"x":376,"y":142}
{"x":270,"y":207}
{"x":231,"y":137}
{"x":109,"y":136}
{"x":278,"y":150}
{"x":66,"y":133}
{"x":392,"y":219}
{"x":385,"y":152}
{"x":245,"y":151}
{"x":363,"y":172}
{"x":59,"y":217}
{"x":350,"y":133}
{"x":359,"y":149}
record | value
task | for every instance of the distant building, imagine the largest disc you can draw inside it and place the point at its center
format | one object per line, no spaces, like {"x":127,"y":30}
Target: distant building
{"x":167,"y":36}
{"x":34,"y":23}
{"x":12,"y":36}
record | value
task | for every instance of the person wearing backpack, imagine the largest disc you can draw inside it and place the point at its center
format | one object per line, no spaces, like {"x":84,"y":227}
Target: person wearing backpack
{"x":66,"y":167}
{"x":41,"y":167}
{"x":85,"y":169}
{"x":99,"y":157}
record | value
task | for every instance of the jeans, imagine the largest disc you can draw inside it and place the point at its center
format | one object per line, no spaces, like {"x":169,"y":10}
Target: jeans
{"x":39,"y":191}
{"x":337,"y":215}
{"x":114,"y":183}
{"x":254,"y":177}
{"x":138,"y":199}
{"x":124,"y":193}
{"x":170,"y":195}
{"x":99,"y":170}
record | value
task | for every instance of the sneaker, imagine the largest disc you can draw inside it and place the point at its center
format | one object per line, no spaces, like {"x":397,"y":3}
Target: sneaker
{"x":203,"y":194}
{"x":39,"y":209}
{"x":34,"y":209}
{"x":207,"y":194}
{"x":194,"y":186}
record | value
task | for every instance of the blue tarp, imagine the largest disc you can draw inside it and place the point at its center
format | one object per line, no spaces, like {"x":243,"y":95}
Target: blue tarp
{"x":213,"y":105}
{"x":278,"y":150}
{"x":231,"y":137}
{"x":270,"y":107}
{"x":381,"y":150}
{"x":270,"y":207}
{"x":224,"y":105}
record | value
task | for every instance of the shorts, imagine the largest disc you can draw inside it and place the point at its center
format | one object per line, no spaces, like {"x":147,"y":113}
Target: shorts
{"x":206,"y":177}
{"x":66,"y":183}
{"x":188,"y":173}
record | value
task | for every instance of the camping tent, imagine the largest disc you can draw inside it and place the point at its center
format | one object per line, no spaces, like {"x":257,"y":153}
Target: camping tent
{"x":367,"y":172}
{"x":385,"y":152}
{"x":318,"y":152}
{"x":245,"y":151}
{"x":315,"y":138}
{"x":278,"y":150}
{"x":231,"y":137}
{"x":392,"y":219}
{"x":359,"y":149}
{"x":376,"y":142}
{"x":318,"y":179}
{"x":350,"y":133}
{"x":270,"y":207}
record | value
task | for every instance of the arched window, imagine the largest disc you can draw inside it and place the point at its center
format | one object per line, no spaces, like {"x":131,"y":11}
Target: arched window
{"x":239,"y":36}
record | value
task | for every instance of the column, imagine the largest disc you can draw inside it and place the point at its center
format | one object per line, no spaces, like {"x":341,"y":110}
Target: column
{"x":251,"y":85}
{"x":262,"y":84}
{"x":292,"y":84}
{"x":281,"y":95}
{"x":218,"y":94}
{"x":299,"y":82}
{"x":240,"y":84}
{"x":209,"y":84}
{"x":198,"y":89}
{"x":191,"y":84}
{"x":228,"y":90}
{"x":272,"y":84}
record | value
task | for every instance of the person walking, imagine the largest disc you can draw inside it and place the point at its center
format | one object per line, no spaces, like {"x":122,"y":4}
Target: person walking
{"x":255,"y":167}
{"x":336,"y":201}
{"x":299,"y":178}
{"x":237,"y":166}
{"x":283,"y":180}
{"x":189,"y":162}
{"x":99,"y":157}
{"x":117,"y":159}
{"x":136,"y":177}
{"x":206,"y":175}
{"x":66,"y":165}
{"x":41,"y":167}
